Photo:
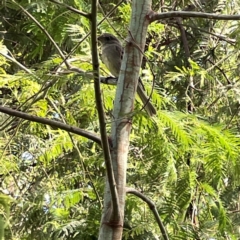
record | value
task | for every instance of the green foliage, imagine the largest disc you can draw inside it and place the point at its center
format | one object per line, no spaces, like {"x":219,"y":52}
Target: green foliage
{"x":5,"y":214}
{"x":185,"y":161}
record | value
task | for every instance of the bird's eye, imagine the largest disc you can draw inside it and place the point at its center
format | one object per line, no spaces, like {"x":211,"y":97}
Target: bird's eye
{"x":108,"y":38}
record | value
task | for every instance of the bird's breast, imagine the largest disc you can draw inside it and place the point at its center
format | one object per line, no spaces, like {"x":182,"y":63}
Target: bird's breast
{"x":111,"y":57}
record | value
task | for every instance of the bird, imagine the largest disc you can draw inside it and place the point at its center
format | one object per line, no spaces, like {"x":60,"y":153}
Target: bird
{"x":112,"y":53}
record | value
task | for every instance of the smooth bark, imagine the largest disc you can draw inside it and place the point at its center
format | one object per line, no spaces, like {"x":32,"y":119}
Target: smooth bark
{"x":112,"y":224}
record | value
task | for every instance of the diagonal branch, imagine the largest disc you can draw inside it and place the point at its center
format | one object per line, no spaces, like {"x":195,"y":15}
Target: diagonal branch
{"x":92,"y":136}
{"x":101,"y":114}
{"x":86,"y":15}
{"x":152,"y":208}
{"x":44,"y":31}
{"x":153,"y":16}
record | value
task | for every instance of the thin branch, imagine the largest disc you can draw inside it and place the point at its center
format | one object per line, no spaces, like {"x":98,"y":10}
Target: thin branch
{"x":92,"y":136}
{"x":235,"y":211}
{"x":184,"y":38}
{"x":101,"y":115}
{"x":86,"y":15}
{"x":219,"y":36}
{"x":99,"y":23}
{"x":35,"y":97}
{"x":190,"y":88}
{"x":88,"y":34}
{"x":108,"y":21}
{"x":152,"y":208}
{"x":84,"y":166}
{"x":9,"y":140}
{"x":232,"y":117}
{"x":51,"y":39}
{"x":17,"y":63}
{"x":45,"y":32}
{"x":153,"y":16}
{"x":221,"y":71}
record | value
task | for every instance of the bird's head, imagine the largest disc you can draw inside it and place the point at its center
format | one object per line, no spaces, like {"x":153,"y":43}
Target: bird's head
{"x":107,"y":38}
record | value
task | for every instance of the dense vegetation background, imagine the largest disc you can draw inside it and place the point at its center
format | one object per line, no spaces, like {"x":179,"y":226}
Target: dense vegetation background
{"x":186,"y":158}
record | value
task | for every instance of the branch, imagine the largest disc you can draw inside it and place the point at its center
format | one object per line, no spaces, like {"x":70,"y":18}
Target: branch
{"x":18,"y":63}
{"x":158,"y":16}
{"x":219,"y":36}
{"x":101,"y":115}
{"x":184,"y":38}
{"x":92,"y":136}
{"x":152,"y":208}
{"x":86,"y":15}
{"x":45,"y":32}
{"x":84,"y":166}
{"x":88,"y":34}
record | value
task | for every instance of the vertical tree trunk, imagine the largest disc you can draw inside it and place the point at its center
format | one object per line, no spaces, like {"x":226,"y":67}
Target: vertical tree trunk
{"x":112,"y":226}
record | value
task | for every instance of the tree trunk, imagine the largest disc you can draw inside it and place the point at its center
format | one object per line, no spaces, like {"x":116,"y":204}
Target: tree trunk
{"x":112,"y":226}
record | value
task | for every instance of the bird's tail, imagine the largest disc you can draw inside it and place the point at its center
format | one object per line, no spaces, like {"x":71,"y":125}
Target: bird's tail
{"x":145,"y":100}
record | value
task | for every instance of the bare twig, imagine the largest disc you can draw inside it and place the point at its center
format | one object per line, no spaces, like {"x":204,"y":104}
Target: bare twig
{"x":158,"y":16}
{"x":44,"y":31}
{"x":17,"y":63}
{"x":86,"y":15}
{"x":152,"y":208}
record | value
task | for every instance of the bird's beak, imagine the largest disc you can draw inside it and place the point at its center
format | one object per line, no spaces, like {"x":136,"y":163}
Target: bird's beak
{"x":99,"y":41}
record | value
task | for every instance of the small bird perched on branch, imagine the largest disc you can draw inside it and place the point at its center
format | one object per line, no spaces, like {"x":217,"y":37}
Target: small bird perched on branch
{"x":112,"y":53}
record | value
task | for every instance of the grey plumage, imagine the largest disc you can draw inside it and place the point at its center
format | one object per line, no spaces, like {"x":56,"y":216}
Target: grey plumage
{"x":112,"y":53}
